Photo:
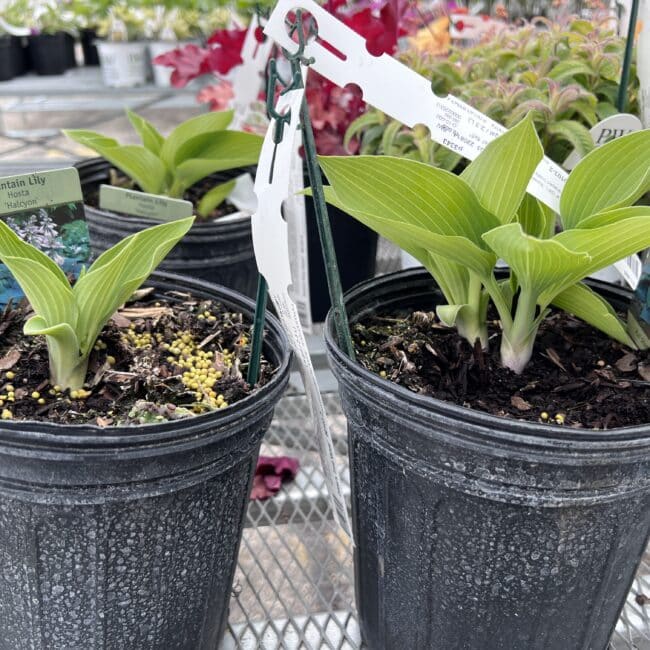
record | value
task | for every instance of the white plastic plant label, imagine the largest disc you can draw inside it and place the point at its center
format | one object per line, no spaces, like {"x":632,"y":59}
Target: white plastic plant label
{"x":247,"y":77}
{"x":296,"y":217}
{"x":271,"y":243}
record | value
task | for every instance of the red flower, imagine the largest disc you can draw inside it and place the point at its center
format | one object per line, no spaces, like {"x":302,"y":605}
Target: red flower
{"x":188,"y":63}
{"x":271,"y":472}
{"x":227,"y":55}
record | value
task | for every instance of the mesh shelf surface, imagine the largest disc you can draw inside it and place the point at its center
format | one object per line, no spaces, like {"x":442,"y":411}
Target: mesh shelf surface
{"x":294,"y":587}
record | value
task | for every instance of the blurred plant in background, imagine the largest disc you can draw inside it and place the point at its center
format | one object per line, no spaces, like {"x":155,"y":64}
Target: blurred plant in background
{"x":566,"y":75}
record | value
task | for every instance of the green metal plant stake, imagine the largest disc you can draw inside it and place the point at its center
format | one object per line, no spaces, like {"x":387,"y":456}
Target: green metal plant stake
{"x":316,"y":181}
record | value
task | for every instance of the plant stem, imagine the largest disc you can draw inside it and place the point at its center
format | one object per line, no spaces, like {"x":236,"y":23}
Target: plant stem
{"x":472,"y":325}
{"x":72,"y":377}
{"x":517,"y":341}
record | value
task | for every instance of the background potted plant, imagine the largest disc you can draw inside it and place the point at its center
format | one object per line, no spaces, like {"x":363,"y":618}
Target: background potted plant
{"x":13,"y":42}
{"x":124,"y":468}
{"x":88,"y":14}
{"x":51,"y":44}
{"x":512,"y":440}
{"x":123,"y":48}
{"x":199,"y":160}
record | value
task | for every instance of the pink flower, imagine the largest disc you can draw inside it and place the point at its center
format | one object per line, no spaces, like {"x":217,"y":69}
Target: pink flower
{"x":227,"y":55}
{"x":217,"y":95}
{"x":188,"y":63}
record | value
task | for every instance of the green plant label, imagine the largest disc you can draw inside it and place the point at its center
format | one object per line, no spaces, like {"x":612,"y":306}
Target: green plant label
{"x":46,"y":210}
{"x":141,"y":204}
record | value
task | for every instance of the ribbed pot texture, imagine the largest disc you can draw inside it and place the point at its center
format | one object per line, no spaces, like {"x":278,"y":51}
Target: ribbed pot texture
{"x":475,"y":532}
{"x":219,"y":251}
{"x":126,"y":538}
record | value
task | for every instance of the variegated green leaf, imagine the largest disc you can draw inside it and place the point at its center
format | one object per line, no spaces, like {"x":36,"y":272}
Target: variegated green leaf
{"x":501,"y":172}
{"x":612,"y":176}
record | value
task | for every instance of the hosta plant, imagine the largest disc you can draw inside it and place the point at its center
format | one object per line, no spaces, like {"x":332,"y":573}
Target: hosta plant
{"x":459,"y":226}
{"x":169,"y":166}
{"x":71,"y":317}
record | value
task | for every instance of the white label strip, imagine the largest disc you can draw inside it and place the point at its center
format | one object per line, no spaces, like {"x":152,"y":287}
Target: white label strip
{"x":247,"y":77}
{"x":271,"y":243}
{"x":403,"y":94}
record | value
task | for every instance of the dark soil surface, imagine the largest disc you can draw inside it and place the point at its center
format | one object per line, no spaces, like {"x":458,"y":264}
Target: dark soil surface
{"x":577,"y":377}
{"x":193,"y":194}
{"x":163,"y":357}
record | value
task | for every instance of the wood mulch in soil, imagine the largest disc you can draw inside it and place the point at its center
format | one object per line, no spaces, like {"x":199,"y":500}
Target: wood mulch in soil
{"x":577,"y":377}
{"x":162,"y":357}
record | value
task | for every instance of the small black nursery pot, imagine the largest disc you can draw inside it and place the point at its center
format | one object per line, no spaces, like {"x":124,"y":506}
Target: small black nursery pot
{"x":218,"y":251}
{"x":475,"y":532}
{"x":50,"y":53}
{"x":126,"y":538}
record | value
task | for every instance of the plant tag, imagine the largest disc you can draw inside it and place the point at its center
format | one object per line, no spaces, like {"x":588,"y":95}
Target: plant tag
{"x":243,"y":194}
{"x":630,"y":270}
{"x":271,"y":243}
{"x":608,"y":129}
{"x":340,"y":55}
{"x":141,"y":204}
{"x":46,"y":209}
{"x":247,"y":77}
{"x":296,"y":217}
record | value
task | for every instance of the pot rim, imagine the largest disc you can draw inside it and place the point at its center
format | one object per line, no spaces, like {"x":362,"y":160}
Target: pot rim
{"x":477,"y":423}
{"x":26,"y":433}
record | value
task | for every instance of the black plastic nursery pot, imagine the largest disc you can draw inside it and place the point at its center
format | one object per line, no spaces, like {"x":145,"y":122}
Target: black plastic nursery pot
{"x":475,"y":532}
{"x":49,"y":53}
{"x":356,"y":252}
{"x":7,"y":63}
{"x":219,"y":251}
{"x":127,"y":538}
{"x":88,"y":37}
{"x":70,"y":58}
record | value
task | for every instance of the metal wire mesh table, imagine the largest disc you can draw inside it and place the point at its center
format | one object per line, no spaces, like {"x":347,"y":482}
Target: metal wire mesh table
{"x":294,"y":585}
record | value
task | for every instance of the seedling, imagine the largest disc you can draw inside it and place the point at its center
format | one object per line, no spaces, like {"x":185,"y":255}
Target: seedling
{"x":169,"y":166}
{"x":459,"y":226}
{"x":71,"y":317}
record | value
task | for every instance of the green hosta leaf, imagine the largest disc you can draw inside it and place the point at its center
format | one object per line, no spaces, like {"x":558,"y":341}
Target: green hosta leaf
{"x":606,"y":244}
{"x":586,"y":304}
{"x":149,"y":135}
{"x":67,"y":365}
{"x":452,"y":278}
{"x":613,"y":216}
{"x":223,"y":150}
{"x":137,"y":162}
{"x":90,"y":139}
{"x":612,"y":176}
{"x":501,"y":172}
{"x":574,"y":133}
{"x":542,"y":265}
{"x":388,"y":140}
{"x":409,"y":192}
{"x":536,"y":218}
{"x":361,"y":124}
{"x":203,"y":125}
{"x":215,"y":197}
{"x":118,"y":272}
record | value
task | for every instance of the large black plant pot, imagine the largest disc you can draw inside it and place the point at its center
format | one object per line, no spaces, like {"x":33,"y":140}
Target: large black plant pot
{"x":219,"y":251}
{"x":127,"y":538}
{"x":475,"y":532}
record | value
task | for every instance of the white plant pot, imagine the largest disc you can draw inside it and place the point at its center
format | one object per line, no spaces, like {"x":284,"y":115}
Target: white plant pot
{"x":123,"y":65}
{"x":162,"y":74}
